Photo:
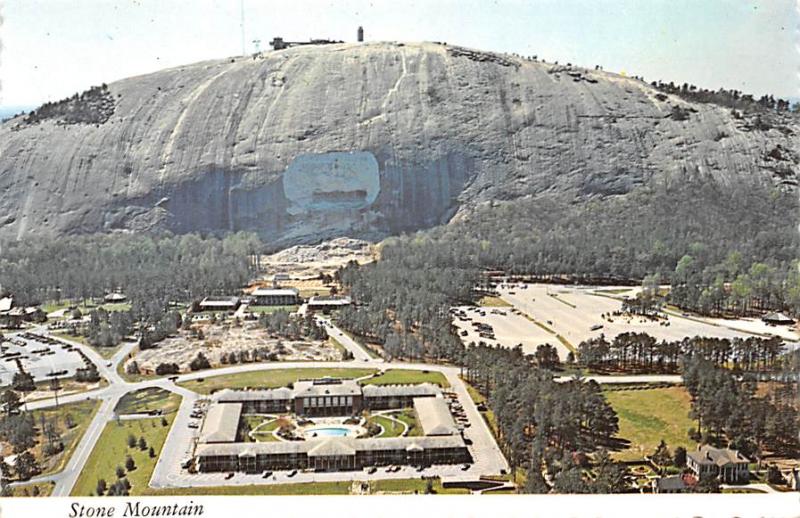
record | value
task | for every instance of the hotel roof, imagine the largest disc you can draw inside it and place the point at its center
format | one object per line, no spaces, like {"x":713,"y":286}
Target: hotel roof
{"x":345,"y":387}
{"x":434,"y":416}
{"x":422,"y":389}
{"x":221,"y":423}
{"x":219,"y":301}
{"x":330,"y":446}
{"x":272,"y":292}
{"x":276,"y":394}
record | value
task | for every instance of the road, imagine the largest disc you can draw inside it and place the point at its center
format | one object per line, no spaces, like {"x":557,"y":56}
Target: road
{"x":488,"y":458}
{"x":359,"y":353}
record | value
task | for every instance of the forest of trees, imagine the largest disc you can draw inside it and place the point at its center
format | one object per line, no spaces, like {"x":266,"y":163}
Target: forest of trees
{"x":731,"y":248}
{"x":729,"y":411}
{"x":283,"y":324}
{"x":640,"y":352}
{"x":151,"y":271}
{"x":547,"y":428}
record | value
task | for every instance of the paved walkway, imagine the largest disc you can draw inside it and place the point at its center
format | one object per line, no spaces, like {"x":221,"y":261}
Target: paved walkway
{"x":180,"y":440}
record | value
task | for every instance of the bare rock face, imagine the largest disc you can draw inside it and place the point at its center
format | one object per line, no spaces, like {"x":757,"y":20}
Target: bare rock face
{"x":363,"y":140}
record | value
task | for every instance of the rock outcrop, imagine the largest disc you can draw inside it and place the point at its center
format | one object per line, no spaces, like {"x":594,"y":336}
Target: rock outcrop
{"x":358,"y":139}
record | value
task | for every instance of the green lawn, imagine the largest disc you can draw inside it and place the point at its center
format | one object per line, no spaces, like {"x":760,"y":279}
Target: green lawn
{"x":390,"y":427}
{"x":264,"y":433}
{"x":34,"y":489}
{"x":81,"y":414}
{"x":84,"y":308}
{"x":647,"y":416}
{"x":409,"y":417}
{"x":309,"y":488}
{"x":488,"y":415}
{"x":489,"y":301}
{"x":412,"y":485}
{"x":111,"y":449}
{"x":269,"y":378}
{"x":145,"y":400}
{"x":408,"y":377}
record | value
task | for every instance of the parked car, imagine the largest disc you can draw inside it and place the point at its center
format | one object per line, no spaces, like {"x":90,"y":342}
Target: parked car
{"x":229,"y":475}
{"x":266,"y":474}
{"x":596,"y":327}
{"x":292,"y":473}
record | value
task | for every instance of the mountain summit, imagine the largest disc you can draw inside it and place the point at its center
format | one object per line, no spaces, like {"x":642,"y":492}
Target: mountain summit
{"x":362,"y":139}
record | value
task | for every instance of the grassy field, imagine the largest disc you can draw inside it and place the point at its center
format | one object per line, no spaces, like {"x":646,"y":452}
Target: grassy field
{"x":409,"y":417}
{"x":309,"y":488}
{"x":408,"y":377}
{"x":391,"y":428}
{"x":488,"y":415}
{"x":81,"y":414}
{"x":34,"y":489}
{"x":647,"y":416}
{"x":269,"y":378}
{"x":111,"y":450}
{"x":264,"y":434}
{"x":493,"y":302}
{"x":412,"y":485}
{"x":84,"y":308}
{"x":145,"y":400}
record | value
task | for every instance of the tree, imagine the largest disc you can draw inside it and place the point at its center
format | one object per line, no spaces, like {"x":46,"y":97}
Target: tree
{"x":570,"y":480}
{"x":130,"y":465}
{"x":610,"y":475}
{"x":151,"y":453}
{"x":679,"y":457}
{"x":662,"y":456}
{"x":23,"y":382}
{"x":200,"y":362}
{"x":535,"y":483}
{"x":10,"y":402}
{"x":707,"y":484}
{"x":101,"y":487}
{"x":25,"y":465}
{"x":55,"y":386}
{"x":120,"y":471}
{"x":131,"y":441}
{"x":142,"y":443}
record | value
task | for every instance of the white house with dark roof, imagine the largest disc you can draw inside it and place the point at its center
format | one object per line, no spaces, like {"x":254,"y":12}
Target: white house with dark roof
{"x":729,"y":465}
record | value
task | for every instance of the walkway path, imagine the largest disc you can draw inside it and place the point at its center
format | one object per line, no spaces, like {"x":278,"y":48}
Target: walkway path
{"x":180,"y":440}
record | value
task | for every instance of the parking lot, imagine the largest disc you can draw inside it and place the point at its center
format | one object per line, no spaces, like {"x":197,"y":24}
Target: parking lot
{"x":504,"y":326}
{"x":576,"y":313}
{"x":171,"y":469}
{"x":41,"y":356}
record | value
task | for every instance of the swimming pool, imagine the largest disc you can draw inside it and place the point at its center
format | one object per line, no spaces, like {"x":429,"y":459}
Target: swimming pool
{"x":328,"y":431}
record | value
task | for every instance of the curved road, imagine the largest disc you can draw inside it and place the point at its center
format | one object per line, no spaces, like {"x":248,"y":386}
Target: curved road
{"x":487,"y":455}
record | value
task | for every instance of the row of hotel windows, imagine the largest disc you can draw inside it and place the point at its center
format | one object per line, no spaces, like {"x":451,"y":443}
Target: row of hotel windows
{"x":328,"y":401}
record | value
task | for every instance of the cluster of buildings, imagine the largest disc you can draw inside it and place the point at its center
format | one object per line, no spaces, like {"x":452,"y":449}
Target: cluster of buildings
{"x":276,"y":296}
{"x":218,"y":449}
{"x":727,"y":465}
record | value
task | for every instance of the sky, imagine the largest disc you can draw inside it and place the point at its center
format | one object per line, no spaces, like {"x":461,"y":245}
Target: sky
{"x":54,"y":48}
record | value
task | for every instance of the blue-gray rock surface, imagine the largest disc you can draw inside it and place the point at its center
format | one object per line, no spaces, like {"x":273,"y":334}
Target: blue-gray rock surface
{"x":363,"y":140}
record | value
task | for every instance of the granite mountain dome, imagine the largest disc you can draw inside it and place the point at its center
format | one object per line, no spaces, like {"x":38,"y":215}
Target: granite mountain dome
{"x":358,"y":139}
